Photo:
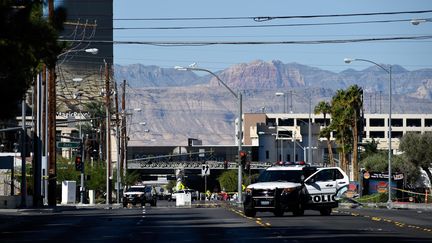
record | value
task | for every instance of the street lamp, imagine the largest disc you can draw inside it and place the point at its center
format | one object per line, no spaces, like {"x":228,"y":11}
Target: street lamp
{"x":238,"y":96}
{"x":389,"y":71}
{"x":420,"y":21}
{"x":93,"y":51}
{"x":309,"y":124}
{"x":285,"y":99}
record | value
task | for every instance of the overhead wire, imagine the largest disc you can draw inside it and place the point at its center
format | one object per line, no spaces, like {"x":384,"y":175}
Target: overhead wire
{"x":261,"y":26}
{"x":266,"y":18}
{"x":288,"y":42}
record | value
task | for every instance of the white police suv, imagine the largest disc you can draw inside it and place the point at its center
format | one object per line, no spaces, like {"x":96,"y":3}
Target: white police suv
{"x":295,"y":187}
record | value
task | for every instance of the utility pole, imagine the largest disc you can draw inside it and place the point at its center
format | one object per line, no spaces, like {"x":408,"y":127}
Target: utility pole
{"x":37,"y":148}
{"x":108,"y":135}
{"x":123,"y":131}
{"x":44,"y":135}
{"x":23,"y":155}
{"x":118,"y":145}
{"x":52,"y":170}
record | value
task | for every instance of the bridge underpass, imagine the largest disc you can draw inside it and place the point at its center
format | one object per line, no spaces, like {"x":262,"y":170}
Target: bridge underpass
{"x":142,"y":164}
{"x":152,"y":170}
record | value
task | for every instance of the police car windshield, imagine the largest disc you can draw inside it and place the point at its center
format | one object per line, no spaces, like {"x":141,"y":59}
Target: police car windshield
{"x":136,"y":189}
{"x":281,"y":175}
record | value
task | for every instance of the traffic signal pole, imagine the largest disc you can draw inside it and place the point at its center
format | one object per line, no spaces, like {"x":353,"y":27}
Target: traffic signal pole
{"x":108,"y":135}
{"x":82,"y":188}
{"x":239,"y":141}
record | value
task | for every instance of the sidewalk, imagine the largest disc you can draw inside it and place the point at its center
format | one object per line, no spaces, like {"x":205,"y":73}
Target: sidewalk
{"x":395,"y":205}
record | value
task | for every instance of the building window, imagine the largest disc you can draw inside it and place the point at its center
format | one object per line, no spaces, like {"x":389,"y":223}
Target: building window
{"x":413,"y":122}
{"x":284,"y":134}
{"x":376,"y":134}
{"x":376,"y":122}
{"x":271,"y":121}
{"x":267,"y":154}
{"x":397,"y":122}
{"x":286,"y":122}
{"x":301,"y":121}
{"x":428,"y":122}
{"x":396,"y":134}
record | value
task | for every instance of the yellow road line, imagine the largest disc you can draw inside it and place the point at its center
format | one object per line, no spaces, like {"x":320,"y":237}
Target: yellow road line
{"x":396,"y":223}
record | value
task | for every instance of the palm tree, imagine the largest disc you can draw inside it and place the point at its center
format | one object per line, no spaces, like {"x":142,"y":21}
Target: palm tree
{"x":340,"y":124}
{"x":325,"y":108}
{"x":346,"y":113}
{"x":354,"y":101}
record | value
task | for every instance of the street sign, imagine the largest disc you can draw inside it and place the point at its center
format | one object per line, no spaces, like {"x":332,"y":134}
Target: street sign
{"x":68,"y":144}
{"x":205,"y":170}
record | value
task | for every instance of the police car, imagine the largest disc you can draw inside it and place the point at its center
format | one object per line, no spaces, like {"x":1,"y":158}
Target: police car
{"x":295,"y":187}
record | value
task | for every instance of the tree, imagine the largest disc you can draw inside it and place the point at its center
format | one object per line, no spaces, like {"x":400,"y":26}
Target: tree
{"x":346,"y":108}
{"x":378,"y":162}
{"x":418,"y":150}
{"x":228,"y":180}
{"x":325,"y":108}
{"x":26,"y":40}
{"x":354,"y":100}
{"x":340,"y":124}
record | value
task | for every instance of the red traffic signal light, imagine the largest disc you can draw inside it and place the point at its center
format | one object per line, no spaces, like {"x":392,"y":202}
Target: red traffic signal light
{"x":79,"y":166}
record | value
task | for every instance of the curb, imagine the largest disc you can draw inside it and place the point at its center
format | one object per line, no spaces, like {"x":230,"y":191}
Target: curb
{"x":395,"y":205}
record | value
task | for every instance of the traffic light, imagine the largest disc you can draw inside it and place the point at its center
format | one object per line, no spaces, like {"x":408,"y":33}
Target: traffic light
{"x":79,"y":166}
{"x":243,"y":156}
{"x":79,"y":149}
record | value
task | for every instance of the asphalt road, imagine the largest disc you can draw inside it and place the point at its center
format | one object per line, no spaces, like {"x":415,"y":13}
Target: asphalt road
{"x":211,"y":223}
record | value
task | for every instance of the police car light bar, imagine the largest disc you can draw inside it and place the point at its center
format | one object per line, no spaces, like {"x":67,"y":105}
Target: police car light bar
{"x":288,"y":163}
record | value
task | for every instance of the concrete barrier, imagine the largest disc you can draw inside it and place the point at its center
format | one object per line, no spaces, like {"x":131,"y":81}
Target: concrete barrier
{"x":92,"y":197}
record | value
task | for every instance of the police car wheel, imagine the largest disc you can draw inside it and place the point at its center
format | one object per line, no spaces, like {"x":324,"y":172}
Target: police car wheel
{"x":298,"y":212}
{"x":278,"y":212}
{"x":325,"y":211}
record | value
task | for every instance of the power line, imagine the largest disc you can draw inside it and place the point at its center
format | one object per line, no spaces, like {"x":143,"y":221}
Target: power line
{"x":267,"y":18}
{"x":260,"y":26}
{"x":300,"y":42}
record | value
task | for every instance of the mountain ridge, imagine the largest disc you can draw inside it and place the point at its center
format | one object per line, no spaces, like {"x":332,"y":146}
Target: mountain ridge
{"x":177,"y":105}
{"x":275,"y":74}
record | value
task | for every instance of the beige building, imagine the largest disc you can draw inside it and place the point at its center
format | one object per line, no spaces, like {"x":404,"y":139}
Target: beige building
{"x":273,"y":133}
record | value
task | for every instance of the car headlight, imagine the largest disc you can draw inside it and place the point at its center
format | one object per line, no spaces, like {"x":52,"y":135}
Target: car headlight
{"x":248,"y":191}
{"x":288,"y":190}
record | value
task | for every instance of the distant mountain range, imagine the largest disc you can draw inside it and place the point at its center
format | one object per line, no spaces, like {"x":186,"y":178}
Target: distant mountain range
{"x":177,"y":105}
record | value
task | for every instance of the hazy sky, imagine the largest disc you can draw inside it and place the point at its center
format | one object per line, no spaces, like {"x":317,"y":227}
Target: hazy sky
{"x":412,"y":54}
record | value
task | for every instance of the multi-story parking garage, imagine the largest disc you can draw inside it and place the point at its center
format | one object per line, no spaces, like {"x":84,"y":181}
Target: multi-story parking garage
{"x":274,"y":133}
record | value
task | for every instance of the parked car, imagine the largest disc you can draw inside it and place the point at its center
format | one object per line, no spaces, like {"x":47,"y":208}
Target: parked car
{"x":140,"y":194}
